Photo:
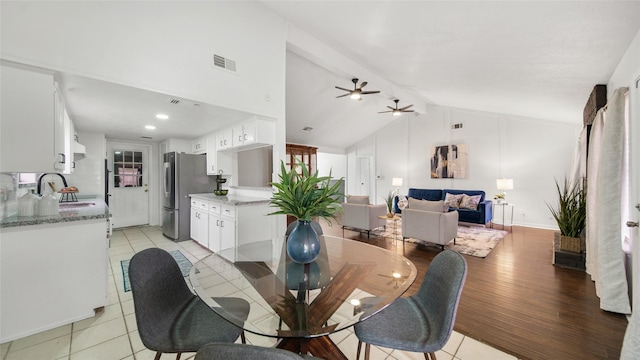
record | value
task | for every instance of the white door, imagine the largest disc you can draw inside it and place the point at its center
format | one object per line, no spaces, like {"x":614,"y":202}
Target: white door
{"x":363,"y":176}
{"x":128,"y":184}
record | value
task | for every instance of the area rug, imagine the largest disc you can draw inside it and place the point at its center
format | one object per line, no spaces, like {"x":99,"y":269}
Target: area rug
{"x":473,"y":241}
{"x":183,"y":263}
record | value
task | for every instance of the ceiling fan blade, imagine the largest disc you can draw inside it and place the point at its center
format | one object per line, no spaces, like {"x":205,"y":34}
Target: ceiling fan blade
{"x":406,"y":110}
{"x":382,"y":112}
{"x":389,"y":107}
{"x":364,"y":83}
{"x":406,"y":107}
{"x":370,"y":92}
{"x":342,"y":95}
{"x":341,"y":88}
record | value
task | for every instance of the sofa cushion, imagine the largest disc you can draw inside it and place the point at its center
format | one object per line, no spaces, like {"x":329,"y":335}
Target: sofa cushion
{"x":358,"y":199}
{"x":452,"y":200}
{"x":468,"y":192}
{"x":426,"y":205}
{"x":470,"y":202}
{"x":425,"y":194}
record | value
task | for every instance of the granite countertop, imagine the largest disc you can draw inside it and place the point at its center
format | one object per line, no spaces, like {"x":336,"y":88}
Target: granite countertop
{"x":69,"y":211}
{"x":234,"y":200}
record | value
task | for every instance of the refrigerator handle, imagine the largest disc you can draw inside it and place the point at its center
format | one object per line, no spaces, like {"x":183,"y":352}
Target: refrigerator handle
{"x":167,"y":179}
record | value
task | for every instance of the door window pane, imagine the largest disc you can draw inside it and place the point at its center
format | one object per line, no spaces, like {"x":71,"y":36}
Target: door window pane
{"x":127,"y":168}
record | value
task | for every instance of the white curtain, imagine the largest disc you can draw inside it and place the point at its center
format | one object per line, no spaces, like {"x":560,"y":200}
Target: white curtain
{"x":605,"y":258}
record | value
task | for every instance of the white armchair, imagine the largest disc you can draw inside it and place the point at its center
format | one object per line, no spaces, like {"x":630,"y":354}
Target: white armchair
{"x":359,"y":214}
{"x":428,"y":221}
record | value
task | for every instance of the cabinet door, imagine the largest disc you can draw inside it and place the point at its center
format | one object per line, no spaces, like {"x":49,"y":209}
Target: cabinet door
{"x":195,"y":228}
{"x":212,"y":152}
{"x":27,"y":121}
{"x":203,"y":228}
{"x":238,"y":136}
{"x":249,"y":134}
{"x":223,"y":139}
{"x":214,"y":233}
{"x":227,"y":233}
{"x":198,"y":146}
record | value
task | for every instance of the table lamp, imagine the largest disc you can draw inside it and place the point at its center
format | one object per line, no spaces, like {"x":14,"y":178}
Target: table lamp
{"x":502,"y":185}
{"x":397,"y":182}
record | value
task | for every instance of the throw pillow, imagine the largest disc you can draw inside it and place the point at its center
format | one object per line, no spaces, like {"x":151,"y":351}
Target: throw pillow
{"x":358,"y":199}
{"x":452,"y":200}
{"x":470,"y":202}
{"x":426,"y":205}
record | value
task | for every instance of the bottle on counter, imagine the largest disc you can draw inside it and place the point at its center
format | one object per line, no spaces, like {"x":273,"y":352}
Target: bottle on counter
{"x":27,"y":204}
{"x":48,"y":204}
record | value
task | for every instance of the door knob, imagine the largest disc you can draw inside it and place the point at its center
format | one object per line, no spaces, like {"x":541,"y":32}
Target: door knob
{"x":632,"y":224}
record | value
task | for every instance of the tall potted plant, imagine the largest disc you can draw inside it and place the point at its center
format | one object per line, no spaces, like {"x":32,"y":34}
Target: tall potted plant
{"x":570,"y":215}
{"x":305,"y":196}
{"x":389,"y":201}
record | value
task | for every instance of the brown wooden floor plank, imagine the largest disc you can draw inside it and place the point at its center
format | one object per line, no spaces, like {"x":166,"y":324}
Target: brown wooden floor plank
{"x":515,"y":300}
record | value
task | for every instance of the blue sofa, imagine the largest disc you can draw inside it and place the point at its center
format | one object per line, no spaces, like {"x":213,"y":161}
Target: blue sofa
{"x":480,"y":216}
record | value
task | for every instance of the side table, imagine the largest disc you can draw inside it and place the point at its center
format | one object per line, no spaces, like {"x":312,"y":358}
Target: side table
{"x":395,"y":219}
{"x":504,"y":207}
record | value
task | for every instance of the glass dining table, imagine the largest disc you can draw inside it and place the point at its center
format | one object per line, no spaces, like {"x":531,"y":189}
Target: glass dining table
{"x":302,"y":304}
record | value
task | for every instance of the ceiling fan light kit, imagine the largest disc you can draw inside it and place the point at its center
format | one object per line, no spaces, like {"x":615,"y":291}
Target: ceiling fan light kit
{"x":357,"y":92}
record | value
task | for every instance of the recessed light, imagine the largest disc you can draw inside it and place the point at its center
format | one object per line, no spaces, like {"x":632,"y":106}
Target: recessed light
{"x":162,"y":116}
{"x":150,"y":127}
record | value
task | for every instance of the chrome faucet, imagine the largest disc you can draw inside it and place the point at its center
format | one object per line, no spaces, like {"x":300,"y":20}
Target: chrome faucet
{"x":39,"y":189}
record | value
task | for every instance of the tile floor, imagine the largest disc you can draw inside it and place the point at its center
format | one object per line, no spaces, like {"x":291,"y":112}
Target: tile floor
{"x":113,"y":334}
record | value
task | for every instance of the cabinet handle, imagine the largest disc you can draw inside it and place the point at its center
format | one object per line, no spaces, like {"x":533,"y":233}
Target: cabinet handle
{"x":245,"y":136}
{"x":73,"y":164}
{"x":217,"y":222}
{"x":63,"y":157}
{"x":221,"y":223}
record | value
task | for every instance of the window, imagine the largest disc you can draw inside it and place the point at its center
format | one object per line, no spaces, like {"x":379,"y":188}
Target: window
{"x":127,"y":168}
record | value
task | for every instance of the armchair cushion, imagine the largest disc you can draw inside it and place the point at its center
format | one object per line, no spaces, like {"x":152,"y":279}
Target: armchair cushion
{"x":431,"y":226}
{"x":417,"y":204}
{"x":362,"y":216}
{"x":357,"y":199}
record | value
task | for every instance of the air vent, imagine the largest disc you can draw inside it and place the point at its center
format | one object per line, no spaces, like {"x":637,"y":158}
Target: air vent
{"x":182,"y":102}
{"x":224,"y":63}
{"x":307,"y":129}
{"x":146,"y":137}
{"x":456,"y":126}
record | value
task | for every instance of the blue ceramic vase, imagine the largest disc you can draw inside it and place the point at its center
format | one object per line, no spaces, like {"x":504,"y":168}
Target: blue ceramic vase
{"x":303,"y":245}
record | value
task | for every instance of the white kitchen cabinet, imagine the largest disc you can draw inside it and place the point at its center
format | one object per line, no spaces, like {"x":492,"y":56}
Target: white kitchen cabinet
{"x":254,"y":133}
{"x":224,"y":139}
{"x":217,"y":161}
{"x":32,"y":122}
{"x":199,"y":145}
{"x":222,"y":226}
{"x":51,"y":275}
{"x":200,"y":221}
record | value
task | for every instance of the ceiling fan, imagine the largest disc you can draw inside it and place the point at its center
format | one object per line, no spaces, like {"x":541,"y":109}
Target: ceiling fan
{"x":397,"y":111}
{"x":357,"y":92}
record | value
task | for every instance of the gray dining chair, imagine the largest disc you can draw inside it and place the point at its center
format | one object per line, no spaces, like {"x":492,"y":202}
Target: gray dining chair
{"x":216,"y":351}
{"x":170,"y":318}
{"x":422,"y":322}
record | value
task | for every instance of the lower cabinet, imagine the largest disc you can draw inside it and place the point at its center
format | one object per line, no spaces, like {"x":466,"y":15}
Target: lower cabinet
{"x":200,"y":222}
{"x":51,"y":275}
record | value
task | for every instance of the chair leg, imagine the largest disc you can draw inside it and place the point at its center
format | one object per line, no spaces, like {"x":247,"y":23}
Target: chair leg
{"x":367,"y":350}
{"x":430,"y":356}
{"x":158,"y":354}
{"x":358,"y":352}
{"x":178,"y":356}
{"x":243,"y":338}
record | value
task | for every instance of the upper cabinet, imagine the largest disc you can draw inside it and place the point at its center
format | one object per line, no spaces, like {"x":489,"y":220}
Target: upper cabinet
{"x":199,"y":145}
{"x":223,"y":139}
{"x":253,"y":134}
{"x":33,"y":129}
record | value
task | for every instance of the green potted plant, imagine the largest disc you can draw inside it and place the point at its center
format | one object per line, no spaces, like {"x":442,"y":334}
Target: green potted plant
{"x":389,"y":201}
{"x":570,"y":215}
{"x":305,"y":196}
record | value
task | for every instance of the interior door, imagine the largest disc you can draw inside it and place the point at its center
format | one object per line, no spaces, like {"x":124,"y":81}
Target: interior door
{"x":128,"y":184}
{"x":363,"y":176}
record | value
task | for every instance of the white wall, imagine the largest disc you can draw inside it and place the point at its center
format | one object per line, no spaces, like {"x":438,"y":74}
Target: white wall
{"x":88,"y":175}
{"x":334,"y":164}
{"x":533,"y":152}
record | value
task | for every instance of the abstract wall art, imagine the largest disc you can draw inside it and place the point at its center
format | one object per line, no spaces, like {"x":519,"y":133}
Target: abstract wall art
{"x":449,"y":162}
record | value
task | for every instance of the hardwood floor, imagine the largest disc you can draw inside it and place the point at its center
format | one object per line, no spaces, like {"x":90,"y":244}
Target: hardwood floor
{"x":515,"y":299}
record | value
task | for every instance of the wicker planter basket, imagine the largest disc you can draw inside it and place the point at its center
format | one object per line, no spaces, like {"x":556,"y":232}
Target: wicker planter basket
{"x":570,"y":244}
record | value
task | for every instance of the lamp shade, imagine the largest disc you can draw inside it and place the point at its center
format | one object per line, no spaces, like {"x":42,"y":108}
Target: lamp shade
{"x":396,"y":182}
{"x":504,"y":184}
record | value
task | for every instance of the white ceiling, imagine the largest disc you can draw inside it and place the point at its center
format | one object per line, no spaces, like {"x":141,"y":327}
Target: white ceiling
{"x":527,"y":58}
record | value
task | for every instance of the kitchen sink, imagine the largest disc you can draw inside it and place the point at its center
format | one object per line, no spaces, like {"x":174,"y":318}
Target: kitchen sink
{"x":65,"y":205}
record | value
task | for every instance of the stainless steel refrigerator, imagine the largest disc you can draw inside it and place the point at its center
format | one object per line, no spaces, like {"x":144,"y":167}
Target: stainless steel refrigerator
{"x":184,"y":174}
